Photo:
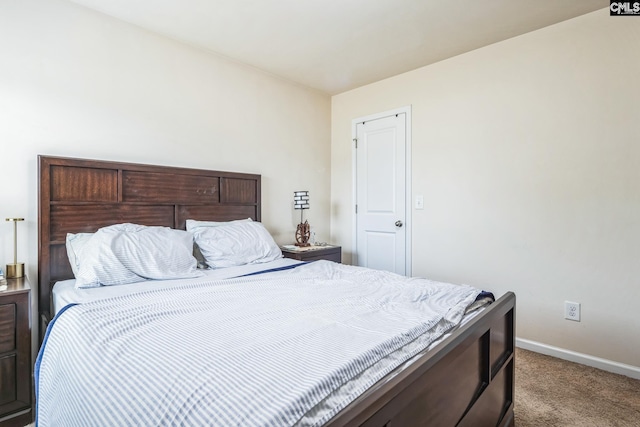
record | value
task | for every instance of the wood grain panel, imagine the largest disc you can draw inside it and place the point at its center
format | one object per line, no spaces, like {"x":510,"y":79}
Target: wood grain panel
{"x":59,"y":260}
{"x":234,"y":190}
{"x":494,"y":403}
{"x":214,"y":213}
{"x":83,"y":184}
{"x":7,"y":327}
{"x":444,"y":396}
{"x":8,"y":379}
{"x":501,"y":343}
{"x":89,"y":218}
{"x":169,"y":188}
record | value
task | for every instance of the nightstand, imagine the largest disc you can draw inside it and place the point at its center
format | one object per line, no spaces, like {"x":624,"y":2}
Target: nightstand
{"x":330,"y":253}
{"x":15,"y":354}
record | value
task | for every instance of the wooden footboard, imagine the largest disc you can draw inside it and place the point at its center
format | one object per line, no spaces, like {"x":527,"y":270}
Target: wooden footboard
{"x":467,"y":380}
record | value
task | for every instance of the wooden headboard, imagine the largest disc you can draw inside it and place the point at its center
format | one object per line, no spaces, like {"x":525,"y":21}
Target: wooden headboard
{"x":79,"y":196}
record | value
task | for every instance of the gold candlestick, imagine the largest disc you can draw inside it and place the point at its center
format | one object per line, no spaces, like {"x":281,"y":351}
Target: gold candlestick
{"x":16,"y":269}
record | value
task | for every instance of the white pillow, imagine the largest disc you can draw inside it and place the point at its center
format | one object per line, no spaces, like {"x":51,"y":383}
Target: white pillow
{"x":237,"y":243}
{"x":129,"y":253}
{"x":192,"y":224}
{"x":74,"y":244}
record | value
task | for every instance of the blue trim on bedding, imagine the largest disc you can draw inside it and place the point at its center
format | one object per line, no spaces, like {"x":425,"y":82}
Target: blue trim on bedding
{"x":286,"y":267}
{"x":36,"y":367}
{"x":485,"y":294}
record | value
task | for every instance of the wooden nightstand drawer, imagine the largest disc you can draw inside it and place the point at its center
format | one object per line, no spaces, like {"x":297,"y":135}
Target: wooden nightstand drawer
{"x":7,"y":327}
{"x":15,"y":354}
{"x":7,"y":379}
{"x":329,"y":253}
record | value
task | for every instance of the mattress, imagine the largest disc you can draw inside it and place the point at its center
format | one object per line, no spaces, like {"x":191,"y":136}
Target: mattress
{"x":376,"y":322}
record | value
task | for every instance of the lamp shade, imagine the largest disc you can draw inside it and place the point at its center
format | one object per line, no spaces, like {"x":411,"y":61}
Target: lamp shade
{"x":301,"y":199}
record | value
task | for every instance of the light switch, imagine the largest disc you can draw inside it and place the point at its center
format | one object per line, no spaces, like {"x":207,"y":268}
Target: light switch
{"x":419,"y":202}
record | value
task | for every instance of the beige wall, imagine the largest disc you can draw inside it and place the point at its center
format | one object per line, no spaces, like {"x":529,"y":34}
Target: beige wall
{"x":528,"y":157}
{"x":526,"y":151}
{"x":77,"y":83}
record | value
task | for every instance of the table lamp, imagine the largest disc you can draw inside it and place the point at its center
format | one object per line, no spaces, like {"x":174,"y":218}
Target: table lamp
{"x":303,"y":231}
{"x":16,"y":269}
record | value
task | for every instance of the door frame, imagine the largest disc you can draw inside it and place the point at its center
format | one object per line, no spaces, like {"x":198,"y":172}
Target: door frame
{"x":407,"y":180}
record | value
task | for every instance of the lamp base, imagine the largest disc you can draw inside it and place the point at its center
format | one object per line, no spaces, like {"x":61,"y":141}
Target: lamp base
{"x":15,"y":271}
{"x":302,"y":234}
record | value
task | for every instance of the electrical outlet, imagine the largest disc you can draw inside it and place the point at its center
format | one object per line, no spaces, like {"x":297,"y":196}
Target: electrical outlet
{"x":572,"y":310}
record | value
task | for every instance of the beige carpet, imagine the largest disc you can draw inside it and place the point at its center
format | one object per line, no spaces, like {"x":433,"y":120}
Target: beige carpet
{"x":553,"y":392}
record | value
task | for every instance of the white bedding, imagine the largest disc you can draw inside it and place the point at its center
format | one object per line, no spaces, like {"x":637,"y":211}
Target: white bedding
{"x":358,"y":304}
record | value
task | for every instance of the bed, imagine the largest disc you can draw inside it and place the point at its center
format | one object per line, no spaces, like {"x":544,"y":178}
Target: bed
{"x":465,"y":379}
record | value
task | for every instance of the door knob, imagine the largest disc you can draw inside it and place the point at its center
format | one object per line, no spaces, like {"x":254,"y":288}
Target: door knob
{"x":398,"y":223}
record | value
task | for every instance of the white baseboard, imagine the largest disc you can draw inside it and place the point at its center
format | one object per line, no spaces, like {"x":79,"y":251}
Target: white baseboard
{"x":584,"y":359}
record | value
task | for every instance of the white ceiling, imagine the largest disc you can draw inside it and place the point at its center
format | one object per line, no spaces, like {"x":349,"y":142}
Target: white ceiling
{"x":337,"y":45}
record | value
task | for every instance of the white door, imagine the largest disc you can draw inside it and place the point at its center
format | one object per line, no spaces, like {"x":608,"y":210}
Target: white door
{"x":381,"y":200}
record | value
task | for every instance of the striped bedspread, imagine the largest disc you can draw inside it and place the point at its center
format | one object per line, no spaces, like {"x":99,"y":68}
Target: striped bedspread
{"x":266,"y":350}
